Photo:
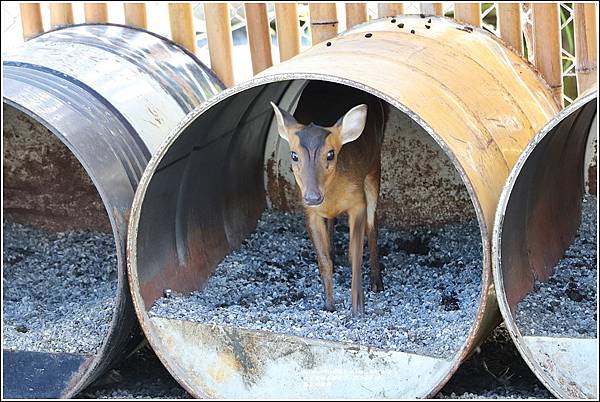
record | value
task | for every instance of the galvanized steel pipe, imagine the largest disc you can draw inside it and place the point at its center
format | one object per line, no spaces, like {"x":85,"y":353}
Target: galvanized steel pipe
{"x":206,"y":186}
{"x":110,"y":94}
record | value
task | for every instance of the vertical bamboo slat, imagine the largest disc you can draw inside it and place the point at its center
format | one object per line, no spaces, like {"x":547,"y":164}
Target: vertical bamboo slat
{"x":288,"y":30}
{"x":509,"y":25}
{"x":31,"y":20}
{"x":61,"y":14}
{"x":323,"y":21}
{"x":259,"y":36}
{"x":182,"y":25}
{"x":586,"y":49}
{"x":135,"y":15}
{"x":468,"y":13}
{"x":547,"y":45}
{"x":432,"y":9}
{"x":527,"y":28}
{"x":389,"y":9}
{"x":356,"y":13}
{"x":220,"y":42}
{"x":95,"y":12}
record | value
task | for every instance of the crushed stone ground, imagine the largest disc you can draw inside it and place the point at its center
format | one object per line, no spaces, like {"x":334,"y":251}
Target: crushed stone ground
{"x":432,"y":280}
{"x":566,"y":305}
{"x":59,"y":289}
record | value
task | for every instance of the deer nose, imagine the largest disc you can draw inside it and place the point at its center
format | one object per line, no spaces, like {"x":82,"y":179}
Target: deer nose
{"x":313,"y":198}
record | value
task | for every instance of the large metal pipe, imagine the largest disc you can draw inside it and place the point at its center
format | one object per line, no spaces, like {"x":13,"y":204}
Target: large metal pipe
{"x":461,"y":88}
{"x":537,"y":217}
{"x":103,"y":97}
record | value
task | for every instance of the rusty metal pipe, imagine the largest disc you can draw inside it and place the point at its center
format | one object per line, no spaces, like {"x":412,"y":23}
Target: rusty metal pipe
{"x":530,"y":237}
{"x":204,"y":190}
{"x":110,"y":131}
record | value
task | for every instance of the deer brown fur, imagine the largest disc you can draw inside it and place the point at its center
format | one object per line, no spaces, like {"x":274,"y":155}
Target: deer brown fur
{"x":335,"y":139}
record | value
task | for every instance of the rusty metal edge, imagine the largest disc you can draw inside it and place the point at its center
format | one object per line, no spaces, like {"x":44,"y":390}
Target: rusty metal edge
{"x":486,"y":295}
{"x":86,"y":373}
{"x":515,"y":334}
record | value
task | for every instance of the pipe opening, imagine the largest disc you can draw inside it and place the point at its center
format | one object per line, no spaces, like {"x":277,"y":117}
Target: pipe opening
{"x":223,"y":254}
{"x":545,"y":252}
{"x":60,"y":261}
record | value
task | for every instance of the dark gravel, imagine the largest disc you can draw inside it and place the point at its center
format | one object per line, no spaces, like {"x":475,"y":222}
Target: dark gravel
{"x":495,"y":370}
{"x":566,"y":305}
{"x":432,"y":280}
{"x":59,"y":289}
{"x":141,"y":376}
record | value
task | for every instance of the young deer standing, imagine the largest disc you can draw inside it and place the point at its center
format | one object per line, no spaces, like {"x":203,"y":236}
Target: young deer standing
{"x":338,"y":169}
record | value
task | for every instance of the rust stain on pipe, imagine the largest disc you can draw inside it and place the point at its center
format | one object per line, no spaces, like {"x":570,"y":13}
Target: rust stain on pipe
{"x":421,"y":71}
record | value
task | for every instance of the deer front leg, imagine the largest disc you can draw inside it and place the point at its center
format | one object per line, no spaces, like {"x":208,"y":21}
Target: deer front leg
{"x":356,"y":219}
{"x":331,"y":230}
{"x":320,"y":238}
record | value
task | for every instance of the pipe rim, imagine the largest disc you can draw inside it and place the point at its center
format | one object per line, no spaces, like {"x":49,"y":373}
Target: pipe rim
{"x":192,"y":55}
{"x":93,"y":361}
{"x":138,"y":202}
{"x":498,"y":279}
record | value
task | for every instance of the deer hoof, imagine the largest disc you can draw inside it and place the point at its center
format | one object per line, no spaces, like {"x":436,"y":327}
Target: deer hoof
{"x":358,"y":311}
{"x":376,"y":284}
{"x":329,"y":307}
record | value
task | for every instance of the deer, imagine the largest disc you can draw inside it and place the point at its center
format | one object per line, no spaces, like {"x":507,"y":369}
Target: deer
{"x":337,"y":169}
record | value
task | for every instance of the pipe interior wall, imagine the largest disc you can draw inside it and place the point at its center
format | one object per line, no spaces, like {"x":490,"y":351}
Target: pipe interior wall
{"x":72,"y":114}
{"x":531,"y":236}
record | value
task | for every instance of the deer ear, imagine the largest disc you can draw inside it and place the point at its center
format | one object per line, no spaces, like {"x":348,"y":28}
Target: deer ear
{"x":353,"y":123}
{"x":285,"y":121}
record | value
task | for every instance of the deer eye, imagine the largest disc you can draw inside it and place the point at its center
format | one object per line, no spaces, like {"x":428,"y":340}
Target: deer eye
{"x":330,"y":155}
{"x":294,"y":156}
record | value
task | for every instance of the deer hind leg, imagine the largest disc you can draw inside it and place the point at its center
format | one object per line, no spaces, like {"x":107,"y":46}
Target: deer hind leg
{"x":372,"y":194}
{"x":357,"y":218}
{"x":320,"y":238}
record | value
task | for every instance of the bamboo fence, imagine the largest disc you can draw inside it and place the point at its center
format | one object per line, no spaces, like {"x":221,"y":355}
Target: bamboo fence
{"x":324,"y":25}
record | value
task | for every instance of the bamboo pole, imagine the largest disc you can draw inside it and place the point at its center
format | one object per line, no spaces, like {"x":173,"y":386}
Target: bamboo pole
{"x":220,"y":42}
{"x":61,"y":14}
{"x":323,"y":21}
{"x":95,"y":12}
{"x":432,"y":9}
{"x":389,"y":9}
{"x":527,"y":28}
{"x":182,"y":25}
{"x":288,"y":30}
{"x":468,"y":13}
{"x":259,"y":36}
{"x":356,"y":13}
{"x":586,"y":48}
{"x":135,"y":15}
{"x":31,"y":20}
{"x":509,"y":25}
{"x":547,"y":45}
